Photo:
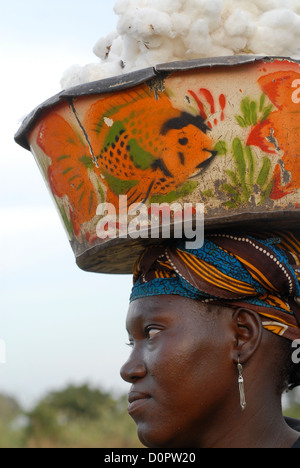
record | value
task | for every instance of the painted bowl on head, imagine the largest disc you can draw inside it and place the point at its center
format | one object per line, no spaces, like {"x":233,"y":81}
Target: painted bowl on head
{"x":223,"y":133}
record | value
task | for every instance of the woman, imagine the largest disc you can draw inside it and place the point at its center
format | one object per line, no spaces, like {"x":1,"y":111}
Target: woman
{"x":211,"y":332}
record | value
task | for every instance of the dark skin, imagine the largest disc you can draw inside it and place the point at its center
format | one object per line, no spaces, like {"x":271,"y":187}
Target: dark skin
{"x":183,"y":372}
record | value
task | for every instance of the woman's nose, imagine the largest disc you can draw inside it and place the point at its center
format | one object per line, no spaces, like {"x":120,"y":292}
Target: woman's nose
{"x":133,"y":370}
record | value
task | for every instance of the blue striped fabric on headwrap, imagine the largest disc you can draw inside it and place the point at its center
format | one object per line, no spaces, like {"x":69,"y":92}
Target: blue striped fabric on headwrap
{"x":260,"y":271}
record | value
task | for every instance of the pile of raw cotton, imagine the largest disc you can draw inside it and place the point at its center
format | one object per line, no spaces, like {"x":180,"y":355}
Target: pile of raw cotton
{"x":150,"y":32}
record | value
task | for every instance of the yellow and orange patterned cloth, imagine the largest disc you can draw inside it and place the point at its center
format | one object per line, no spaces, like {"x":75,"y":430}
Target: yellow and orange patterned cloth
{"x":260,"y":271}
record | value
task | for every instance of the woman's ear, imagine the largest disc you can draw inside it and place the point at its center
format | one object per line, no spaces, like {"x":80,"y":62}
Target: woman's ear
{"x":248,"y":330}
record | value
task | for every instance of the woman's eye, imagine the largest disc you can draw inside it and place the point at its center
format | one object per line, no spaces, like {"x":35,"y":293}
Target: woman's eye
{"x":151,"y":332}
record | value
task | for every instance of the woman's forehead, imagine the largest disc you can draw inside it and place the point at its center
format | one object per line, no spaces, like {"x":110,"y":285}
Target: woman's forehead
{"x":162,"y":308}
{"x":152,"y":305}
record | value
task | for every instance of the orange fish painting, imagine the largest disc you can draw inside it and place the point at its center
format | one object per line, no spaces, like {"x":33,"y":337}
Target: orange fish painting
{"x":131,"y":144}
{"x":70,"y":168}
{"x":280,"y":131}
{"x":145,"y":147}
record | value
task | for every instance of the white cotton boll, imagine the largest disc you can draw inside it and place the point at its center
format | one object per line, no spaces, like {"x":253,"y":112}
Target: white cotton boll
{"x":282,"y":19}
{"x":141,"y":62}
{"x":293,"y":5}
{"x":89,"y":73}
{"x":150,"y":21}
{"x":116,"y":50}
{"x":157,"y":31}
{"x":229,"y":6}
{"x":110,"y":69}
{"x":269,"y":42}
{"x":193,"y":8}
{"x":124,"y":24}
{"x":267,"y":5}
{"x":71,"y":77}
{"x":153,"y":42}
{"x":78,"y":75}
{"x":167,"y":6}
{"x":278,"y":33}
{"x":239,"y":24}
{"x":98,"y":71}
{"x":236,"y":44}
{"x":145,"y":22}
{"x":179,"y":50}
{"x":213,"y":7}
{"x":154,"y":57}
{"x":212,"y":13}
{"x":159,"y":55}
{"x":148,"y":58}
{"x":123,"y":6}
{"x":219,"y":51}
{"x":103,"y":46}
{"x":198,"y":39}
{"x":218,"y":37}
{"x":181,"y":23}
{"x":199,"y":29}
{"x":130,"y":50}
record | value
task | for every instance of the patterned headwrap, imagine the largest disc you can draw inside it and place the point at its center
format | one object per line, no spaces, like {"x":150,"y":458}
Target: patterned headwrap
{"x":259,"y":271}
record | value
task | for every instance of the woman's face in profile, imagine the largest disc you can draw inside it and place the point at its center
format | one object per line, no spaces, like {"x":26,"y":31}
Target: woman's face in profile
{"x":179,"y":370}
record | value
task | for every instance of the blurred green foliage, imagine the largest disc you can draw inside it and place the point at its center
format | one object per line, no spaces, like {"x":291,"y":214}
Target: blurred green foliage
{"x":76,"y":417}
{"x":79,"y":417}
{"x":293,"y":404}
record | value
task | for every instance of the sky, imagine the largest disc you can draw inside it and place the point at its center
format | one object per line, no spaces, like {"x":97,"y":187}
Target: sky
{"x":60,"y":325}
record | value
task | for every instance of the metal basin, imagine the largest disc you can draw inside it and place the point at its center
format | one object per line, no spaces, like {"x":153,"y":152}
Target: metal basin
{"x":223,"y":132}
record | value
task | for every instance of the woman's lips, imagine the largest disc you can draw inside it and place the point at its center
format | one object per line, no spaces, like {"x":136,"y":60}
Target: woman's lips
{"x":136,"y":401}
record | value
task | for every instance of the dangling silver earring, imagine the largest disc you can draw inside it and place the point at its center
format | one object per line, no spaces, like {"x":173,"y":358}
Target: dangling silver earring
{"x":241,"y":386}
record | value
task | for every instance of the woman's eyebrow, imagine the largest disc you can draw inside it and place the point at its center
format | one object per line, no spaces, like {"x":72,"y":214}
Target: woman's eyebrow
{"x":156,"y":315}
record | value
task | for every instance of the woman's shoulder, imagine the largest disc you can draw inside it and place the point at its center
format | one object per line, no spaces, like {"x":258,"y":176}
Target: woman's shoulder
{"x":294,"y":424}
